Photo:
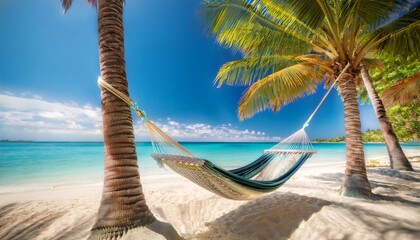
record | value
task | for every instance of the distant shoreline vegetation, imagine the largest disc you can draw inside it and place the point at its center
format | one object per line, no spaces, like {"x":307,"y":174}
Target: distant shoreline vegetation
{"x":329,"y":140}
{"x":370,"y":135}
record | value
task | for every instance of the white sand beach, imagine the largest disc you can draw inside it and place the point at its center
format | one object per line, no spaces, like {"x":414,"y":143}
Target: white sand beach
{"x":308,"y":206}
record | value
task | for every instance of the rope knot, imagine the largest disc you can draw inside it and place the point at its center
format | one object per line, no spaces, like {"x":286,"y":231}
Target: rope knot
{"x":141,"y":114}
{"x":133,"y":105}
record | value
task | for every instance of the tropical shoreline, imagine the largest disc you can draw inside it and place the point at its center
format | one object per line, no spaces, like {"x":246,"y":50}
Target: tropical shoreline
{"x":308,"y":206}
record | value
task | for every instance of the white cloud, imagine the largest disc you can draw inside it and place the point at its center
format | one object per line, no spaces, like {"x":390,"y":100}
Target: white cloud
{"x":30,"y":117}
{"x":205,"y":132}
{"x":55,"y":114}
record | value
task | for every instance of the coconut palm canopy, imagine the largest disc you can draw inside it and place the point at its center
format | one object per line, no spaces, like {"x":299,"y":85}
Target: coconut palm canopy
{"x":291,"y":46}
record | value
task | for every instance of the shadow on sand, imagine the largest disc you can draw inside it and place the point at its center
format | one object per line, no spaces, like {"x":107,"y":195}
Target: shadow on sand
{"x":290,"y":215}
{"x":36,"y":225}
{"x":387,"y":183}
{"x":275,"y":216}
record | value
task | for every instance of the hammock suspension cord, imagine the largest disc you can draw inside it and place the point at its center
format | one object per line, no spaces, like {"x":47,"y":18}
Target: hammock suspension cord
{"x":306,"y":124}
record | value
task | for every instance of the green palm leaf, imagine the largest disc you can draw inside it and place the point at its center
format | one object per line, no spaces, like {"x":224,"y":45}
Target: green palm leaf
{"x":322,"y":33}
{"x":402,"y":36}
{"x":282,"y":13}
{"x":279,"y":89}
{"x":247,"y":70}
{"x":310,"y":12}
{"x":373,"y":13}
{"x":255,"y":39}
{"x":222,"y":15}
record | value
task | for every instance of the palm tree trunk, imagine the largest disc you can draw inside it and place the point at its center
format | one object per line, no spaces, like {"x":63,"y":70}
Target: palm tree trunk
{"x":123,"y":206}
{"x":396,"y":155}
{"x":355,"y":181}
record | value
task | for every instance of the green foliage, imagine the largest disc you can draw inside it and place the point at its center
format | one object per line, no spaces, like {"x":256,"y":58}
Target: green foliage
{"x":325,"y":34}
{"x":250,"y":69}
{"x":336,"y":139}
{"x":406,"y":121}
{"x":391,"y":70}
{"x":395,"y":69}
{"x":278,"y":89}
{"x":373,"y":136}
{"x":368,"y":136}
{"x":404,"y":37}
{"x":247,"y":27}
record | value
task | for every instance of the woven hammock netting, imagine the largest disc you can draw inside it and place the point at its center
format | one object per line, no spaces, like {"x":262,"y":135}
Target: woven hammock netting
{"x":267,"y":173}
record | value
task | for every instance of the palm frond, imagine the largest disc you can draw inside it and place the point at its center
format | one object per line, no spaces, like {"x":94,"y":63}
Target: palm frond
{"x":373,"y":12}
{"x":279,"y":89}
{"x":402,"y":36}
{"x":318,"y":15}
{"x":255,"y":39}
{"x":310,"y":12}
{"x":403,"y":92}
{"x":222,"y":15}
{"x":247,"y":70}
{"x":365,"y":17}
{"x":378,"y":13}
{"x":398,"y":38}
{"x":281,"y":12}
{"x":319,"y":60}
{"x":312,"y":18}
{"x":332,"y":25}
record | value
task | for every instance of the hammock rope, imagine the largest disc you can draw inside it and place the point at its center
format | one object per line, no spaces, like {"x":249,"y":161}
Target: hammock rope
{"x":306,"y":124}
{"x":265,"y":174}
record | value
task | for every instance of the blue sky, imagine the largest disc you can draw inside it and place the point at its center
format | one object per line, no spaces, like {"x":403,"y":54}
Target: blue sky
{"x":49,"y":67}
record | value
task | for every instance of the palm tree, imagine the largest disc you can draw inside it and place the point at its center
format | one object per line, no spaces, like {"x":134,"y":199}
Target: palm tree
{"x":410,"y":21}
{"x":123,"y":206}
{"x":397,"y":157}
{"x":291,"y":46}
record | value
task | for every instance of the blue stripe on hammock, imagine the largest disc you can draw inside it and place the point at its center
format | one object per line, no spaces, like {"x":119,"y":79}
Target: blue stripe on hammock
{"x":261,"y":185}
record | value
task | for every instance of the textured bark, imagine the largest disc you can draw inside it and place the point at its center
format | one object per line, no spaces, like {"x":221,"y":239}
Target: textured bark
{"x":396,"y":155}
{"x":355,"y":183}
{"x":123,"y":206}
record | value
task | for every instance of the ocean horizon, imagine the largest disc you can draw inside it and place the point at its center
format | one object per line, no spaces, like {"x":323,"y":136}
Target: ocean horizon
{"x":45,"y":164}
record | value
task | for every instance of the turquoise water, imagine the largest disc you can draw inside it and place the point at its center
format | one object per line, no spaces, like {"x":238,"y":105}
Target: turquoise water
{"x":61,"y":163}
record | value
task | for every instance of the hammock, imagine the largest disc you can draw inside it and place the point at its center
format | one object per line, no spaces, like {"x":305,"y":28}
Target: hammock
{"x":267,"y":173}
